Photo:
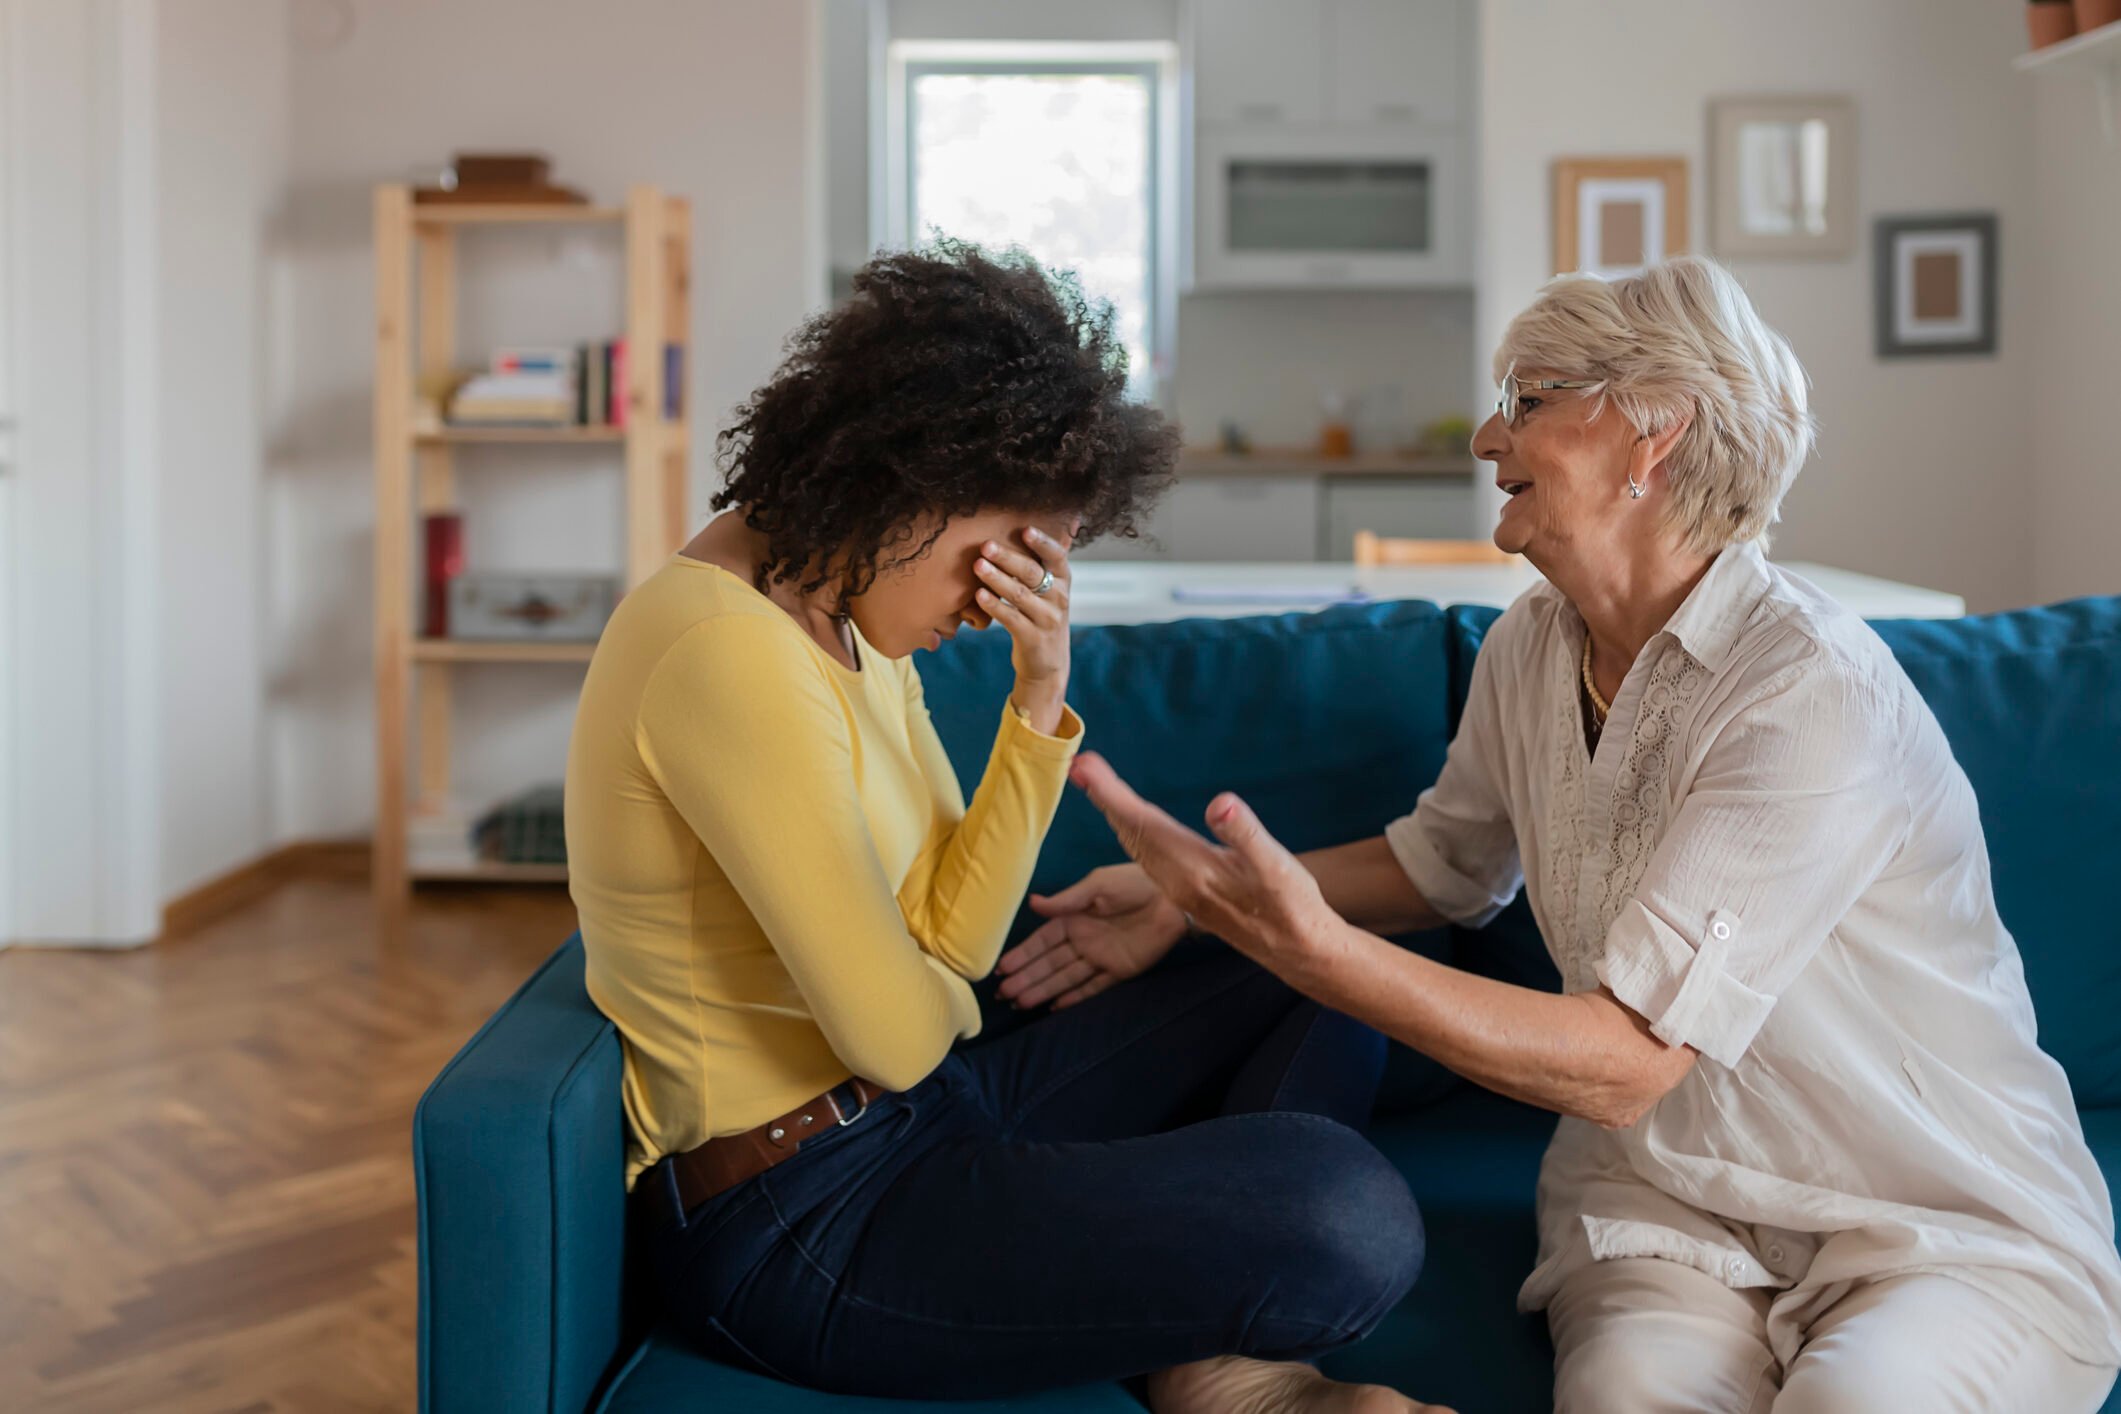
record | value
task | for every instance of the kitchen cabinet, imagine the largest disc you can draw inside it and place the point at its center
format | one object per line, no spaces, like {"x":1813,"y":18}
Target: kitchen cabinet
{"x":1245,"y":518}
{"x":1258,"y":61}
{"x":1352,"y":62}
{"x":1154,"y":542}
{"x":1432,"y":508}
{"x":1394,"y":61}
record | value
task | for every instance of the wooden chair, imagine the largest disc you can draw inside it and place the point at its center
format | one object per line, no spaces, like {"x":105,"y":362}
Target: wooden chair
{"x":1373,"y":549}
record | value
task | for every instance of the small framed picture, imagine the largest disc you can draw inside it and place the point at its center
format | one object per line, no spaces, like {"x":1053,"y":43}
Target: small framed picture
{"x":1782,"y":177}
{"x":1936,"y":285}
{"x":1615,"y":215}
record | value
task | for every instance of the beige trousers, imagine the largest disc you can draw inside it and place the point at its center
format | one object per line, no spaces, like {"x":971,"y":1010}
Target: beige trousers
{"x":1641,"y":1335}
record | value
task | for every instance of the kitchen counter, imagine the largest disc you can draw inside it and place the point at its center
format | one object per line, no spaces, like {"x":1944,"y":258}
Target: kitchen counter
{"x":1303,"y":461}
{"x":1137,"y":592}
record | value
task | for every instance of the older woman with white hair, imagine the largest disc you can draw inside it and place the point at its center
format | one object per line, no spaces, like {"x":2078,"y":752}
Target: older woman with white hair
{"x":1811,"y":1156}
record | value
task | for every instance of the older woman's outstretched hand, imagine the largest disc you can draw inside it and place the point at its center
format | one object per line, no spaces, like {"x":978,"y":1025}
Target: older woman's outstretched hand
{"x":1248,"y":890}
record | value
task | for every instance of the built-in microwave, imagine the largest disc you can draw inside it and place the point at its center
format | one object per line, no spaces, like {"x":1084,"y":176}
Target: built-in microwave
{"x":1310,"y":208}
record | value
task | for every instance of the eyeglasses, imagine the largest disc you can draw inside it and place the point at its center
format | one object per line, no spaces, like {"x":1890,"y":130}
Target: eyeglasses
{"x":1513,"y":388}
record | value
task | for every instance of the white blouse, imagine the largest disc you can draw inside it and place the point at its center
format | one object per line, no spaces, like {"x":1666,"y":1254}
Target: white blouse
{"x":1773,"y":858}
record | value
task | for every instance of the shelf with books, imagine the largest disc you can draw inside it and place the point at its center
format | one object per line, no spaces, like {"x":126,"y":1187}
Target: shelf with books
{"x":642,"y":417}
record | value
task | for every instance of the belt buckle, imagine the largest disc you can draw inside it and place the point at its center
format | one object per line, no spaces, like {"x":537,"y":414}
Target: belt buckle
{"x":841,"y":1114}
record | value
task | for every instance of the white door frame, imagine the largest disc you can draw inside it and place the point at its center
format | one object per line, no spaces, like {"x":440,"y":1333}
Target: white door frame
{"x":9,"y":677}
{"x":80,"y":720}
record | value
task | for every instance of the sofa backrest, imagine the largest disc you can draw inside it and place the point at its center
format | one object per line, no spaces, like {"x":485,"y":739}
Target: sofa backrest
{"x":519,"y":1151}
{"x":2031,"y":703}
{"x":1328,"y":724}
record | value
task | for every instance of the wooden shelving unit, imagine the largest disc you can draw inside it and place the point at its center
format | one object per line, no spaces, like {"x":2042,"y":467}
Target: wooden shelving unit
{"x":416,"y":301}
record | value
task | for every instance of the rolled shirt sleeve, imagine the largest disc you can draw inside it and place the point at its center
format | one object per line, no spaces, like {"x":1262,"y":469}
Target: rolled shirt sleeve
{"x":1797,"y":807}
{"x":1458,"y":846}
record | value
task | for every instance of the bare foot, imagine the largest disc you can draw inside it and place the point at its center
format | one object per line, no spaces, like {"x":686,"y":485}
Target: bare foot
{"x":1232,"y":1384}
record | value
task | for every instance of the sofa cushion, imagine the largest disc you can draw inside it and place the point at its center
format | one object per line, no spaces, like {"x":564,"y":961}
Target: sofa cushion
{"x":1328,"y":724}
{"x":2031,"y":702}
{"x":519,"y":1150}
{"x":664,"y":1377}
{"x":1473,"y":1163}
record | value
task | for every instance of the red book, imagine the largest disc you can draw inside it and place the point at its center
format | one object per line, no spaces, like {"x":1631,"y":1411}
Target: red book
{"x":445,"y":561}
{"x":621,"y":391}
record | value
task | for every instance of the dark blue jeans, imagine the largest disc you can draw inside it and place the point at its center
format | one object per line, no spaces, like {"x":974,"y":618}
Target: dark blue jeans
{"x":1167,"y":1172}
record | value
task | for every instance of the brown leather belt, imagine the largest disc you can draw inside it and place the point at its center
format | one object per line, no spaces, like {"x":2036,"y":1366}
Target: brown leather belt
{"x":721,"y":1164}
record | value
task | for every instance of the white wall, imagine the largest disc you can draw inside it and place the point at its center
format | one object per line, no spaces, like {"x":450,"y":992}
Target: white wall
{"x":1923,"y":465}
{"x":714,"y":101}
{"x":222,"y":108}
{"x":84,"y":550}
{"x":2074,"y":468}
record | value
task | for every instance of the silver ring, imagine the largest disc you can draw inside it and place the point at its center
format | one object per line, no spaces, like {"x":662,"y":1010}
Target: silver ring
{"x":1043,"y":585}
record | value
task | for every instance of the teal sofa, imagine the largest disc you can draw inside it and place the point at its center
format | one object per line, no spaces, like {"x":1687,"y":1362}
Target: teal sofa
{"x":1330,"y":724}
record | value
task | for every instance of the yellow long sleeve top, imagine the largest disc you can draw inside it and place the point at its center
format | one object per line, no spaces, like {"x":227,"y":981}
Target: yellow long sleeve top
{"x":778,"y":880}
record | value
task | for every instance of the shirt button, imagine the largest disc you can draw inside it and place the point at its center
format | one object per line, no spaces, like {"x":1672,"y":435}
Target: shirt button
{"x":1774,"y":1254}
{"x":1736,"y":1266}
{"x":1720,"y":930}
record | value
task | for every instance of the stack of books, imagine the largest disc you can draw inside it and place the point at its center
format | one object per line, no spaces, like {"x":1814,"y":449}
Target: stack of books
{"x":522,"y":388}
{"x":583,"y":386}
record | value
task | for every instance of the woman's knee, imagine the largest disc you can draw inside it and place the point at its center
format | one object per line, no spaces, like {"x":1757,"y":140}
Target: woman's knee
{"x":1353,"y":1232}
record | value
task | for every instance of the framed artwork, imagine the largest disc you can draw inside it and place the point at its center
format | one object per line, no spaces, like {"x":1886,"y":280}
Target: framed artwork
{"x":1936,"y":285}
{"x":1782,"y":177}
{"x":1615,"y":215}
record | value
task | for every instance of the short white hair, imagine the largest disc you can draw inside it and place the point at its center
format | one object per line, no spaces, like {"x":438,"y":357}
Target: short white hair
{"x":1682,"y":339}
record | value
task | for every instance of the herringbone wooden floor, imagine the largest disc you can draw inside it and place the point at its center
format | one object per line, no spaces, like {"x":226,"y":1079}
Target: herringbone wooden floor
{"x":205,"y":1165}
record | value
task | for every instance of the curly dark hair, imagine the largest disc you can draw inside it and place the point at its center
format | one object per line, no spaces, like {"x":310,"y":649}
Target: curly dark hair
{"x":952,"y":381}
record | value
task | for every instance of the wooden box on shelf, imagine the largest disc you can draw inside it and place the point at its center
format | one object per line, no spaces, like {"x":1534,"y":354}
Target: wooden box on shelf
{"x":416,"y":253}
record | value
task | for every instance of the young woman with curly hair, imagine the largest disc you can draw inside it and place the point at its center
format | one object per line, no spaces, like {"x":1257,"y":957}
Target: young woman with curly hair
{"x":785,"y":900}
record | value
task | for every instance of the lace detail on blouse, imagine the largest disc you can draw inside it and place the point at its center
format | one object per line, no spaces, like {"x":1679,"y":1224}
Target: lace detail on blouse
{"x":1565,"y":825}
{"x":1642,"y":785}
{"x":1590,"y":879}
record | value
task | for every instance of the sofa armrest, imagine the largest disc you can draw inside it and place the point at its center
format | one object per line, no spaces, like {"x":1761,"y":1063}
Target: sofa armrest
{"x":519,"y":1161}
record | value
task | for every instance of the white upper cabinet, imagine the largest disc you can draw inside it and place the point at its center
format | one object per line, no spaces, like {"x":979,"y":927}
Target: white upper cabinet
{"x":1259,"y":61}
{"x":1393,"y":61}
{"x":1357,"y":62}
{"x":1327,"y":145}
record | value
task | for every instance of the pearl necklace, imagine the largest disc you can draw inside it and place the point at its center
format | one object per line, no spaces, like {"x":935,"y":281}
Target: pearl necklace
{"x":1600,"y":708}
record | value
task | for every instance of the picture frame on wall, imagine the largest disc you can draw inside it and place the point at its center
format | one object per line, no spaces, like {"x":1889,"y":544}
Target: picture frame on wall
{"x":1613,"y":216}
{"x":1782,"y":177}
{"x":1935,"y":282}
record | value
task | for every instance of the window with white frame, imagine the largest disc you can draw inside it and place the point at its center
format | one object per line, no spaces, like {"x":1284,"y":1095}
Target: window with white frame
{"x":1063,"y":150}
